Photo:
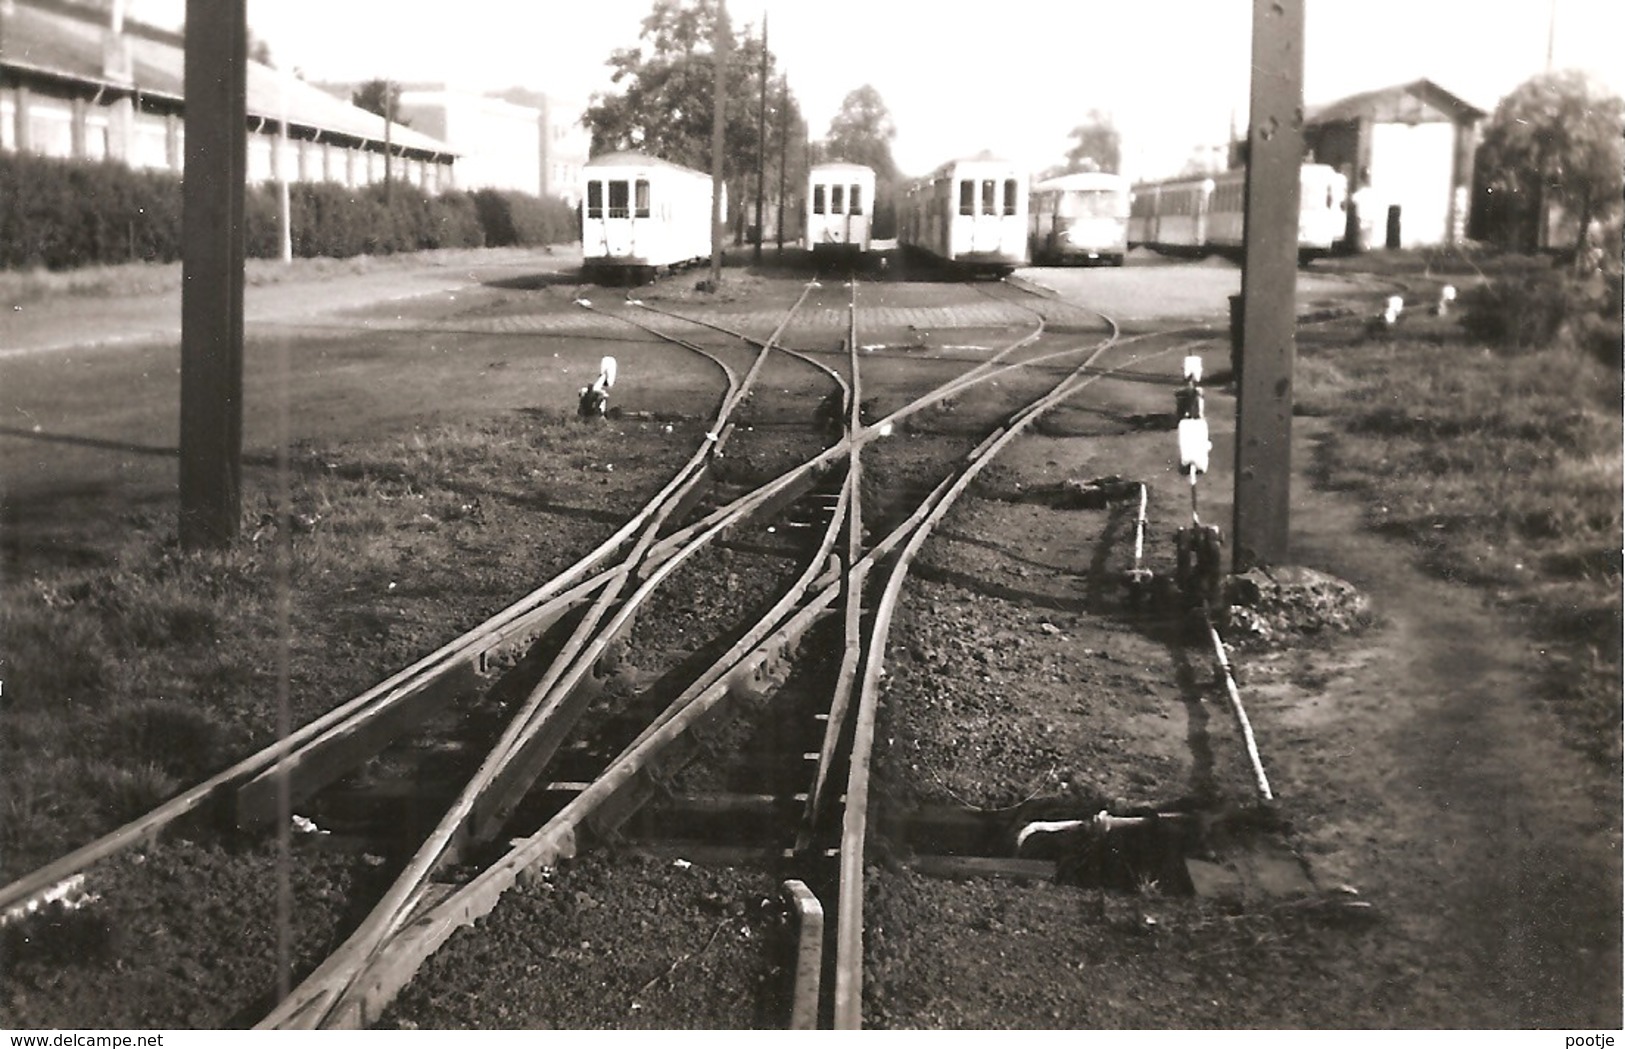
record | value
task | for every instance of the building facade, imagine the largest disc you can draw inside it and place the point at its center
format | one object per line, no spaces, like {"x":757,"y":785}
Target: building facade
{"x":1408,"y":153}
{"x":81,"y":82}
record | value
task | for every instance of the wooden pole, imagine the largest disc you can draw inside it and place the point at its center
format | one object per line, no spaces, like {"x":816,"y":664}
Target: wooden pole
{"x":761,"y":146}
{"x":718,"y":124}
{"x":211,"y":434}
{"x":784,"y":150}
{"x":1269,"y":280}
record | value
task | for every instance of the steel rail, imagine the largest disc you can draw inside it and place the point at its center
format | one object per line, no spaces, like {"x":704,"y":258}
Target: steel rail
{"x":444,"y":909}
{"x":376,"y":977}
{"x":848,"y":977}
{"x":531,"y":739}
{"x":502,"y":630}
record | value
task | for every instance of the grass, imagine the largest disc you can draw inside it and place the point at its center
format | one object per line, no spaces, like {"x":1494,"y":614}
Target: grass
{"x":152,"y":278}
{"x":136,"y":674}
{"x":1505,"y":470}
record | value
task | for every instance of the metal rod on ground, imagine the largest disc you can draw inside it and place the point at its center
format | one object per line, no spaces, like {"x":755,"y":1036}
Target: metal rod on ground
{"x":1139,"y":532}
{"x":1260,"y":780}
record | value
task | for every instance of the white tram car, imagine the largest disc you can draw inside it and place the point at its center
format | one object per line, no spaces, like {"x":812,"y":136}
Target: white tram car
{"x":971,"y":214}
{"x":1205,"y":213}
{"x":840,"y":206}
{"x":642,"y":214}
{"x":1082,"y":217}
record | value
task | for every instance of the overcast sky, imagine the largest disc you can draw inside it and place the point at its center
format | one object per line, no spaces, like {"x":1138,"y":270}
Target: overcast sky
{"x":1012,"y":76}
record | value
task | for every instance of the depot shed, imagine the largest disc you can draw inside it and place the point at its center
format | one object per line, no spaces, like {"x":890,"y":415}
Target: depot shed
{"x":1408,"y":153}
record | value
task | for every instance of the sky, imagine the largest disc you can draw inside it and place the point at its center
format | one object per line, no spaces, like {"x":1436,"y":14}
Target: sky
{"x":1012,"y":76}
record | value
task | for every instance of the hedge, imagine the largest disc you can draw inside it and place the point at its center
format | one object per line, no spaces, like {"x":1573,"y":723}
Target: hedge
{"x":63,"y":214}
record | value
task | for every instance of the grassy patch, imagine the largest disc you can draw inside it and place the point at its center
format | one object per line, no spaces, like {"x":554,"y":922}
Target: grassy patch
{"x":133,"y":675}
{"x":151,"y":278}
{"x":1505,"y":470}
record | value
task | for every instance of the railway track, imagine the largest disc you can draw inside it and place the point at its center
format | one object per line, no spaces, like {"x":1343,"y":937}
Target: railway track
{"x":850,"y":561}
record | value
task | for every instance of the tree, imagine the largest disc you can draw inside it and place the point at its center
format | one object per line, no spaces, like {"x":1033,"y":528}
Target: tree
{"x":1555,"y":139}
{"x":862,"y":132}
{"x":1096,"y":145}
{"x":382,"y":97}
{"x":665,"y":99}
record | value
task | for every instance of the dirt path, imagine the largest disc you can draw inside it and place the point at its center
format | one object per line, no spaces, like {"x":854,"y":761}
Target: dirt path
{"x":1488,"y":839}
{"x":79,"y":322}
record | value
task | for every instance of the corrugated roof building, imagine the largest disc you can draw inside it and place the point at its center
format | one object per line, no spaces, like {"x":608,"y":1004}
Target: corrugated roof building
{"x":1408,"y":153}
{"x":82,"y":82}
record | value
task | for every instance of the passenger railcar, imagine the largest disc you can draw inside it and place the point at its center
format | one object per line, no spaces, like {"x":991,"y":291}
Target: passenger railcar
{"x":1082,"y":217}
{"x":840,"y":203}
{"x":642,"y":214}
{"x":1206,"y":213}
{"x":971,"y":214}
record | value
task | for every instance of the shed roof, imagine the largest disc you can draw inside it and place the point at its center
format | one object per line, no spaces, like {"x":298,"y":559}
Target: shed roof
{"x":1419,"y":101}
{"x":68,"y":42}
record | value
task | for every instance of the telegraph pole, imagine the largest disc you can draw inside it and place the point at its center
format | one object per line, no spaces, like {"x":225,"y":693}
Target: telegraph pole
{"x":211,"y":438}
{"x":1269,"y":279}
{"x":761,"y":146}
{"x":719,"y":47}
{"x":784,"y":149}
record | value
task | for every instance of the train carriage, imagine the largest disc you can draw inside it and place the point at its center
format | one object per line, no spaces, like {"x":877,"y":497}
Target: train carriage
{"x":1207,"y":213}
{"x":840,"y":202}
{"x":971,"y":214}
{"x":1082,"y":217}
{"x":642,"y":214}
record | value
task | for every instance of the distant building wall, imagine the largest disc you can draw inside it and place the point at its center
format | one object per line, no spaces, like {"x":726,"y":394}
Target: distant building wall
{"x":498,"y":142}
{"x":565,"y":146}
{"x":106,"y":94}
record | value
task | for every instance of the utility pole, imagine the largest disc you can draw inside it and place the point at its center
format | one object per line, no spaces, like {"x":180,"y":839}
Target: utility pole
{"x":719,"y":47}
{"x":389,"y":127}
{"x":1269,"y":279}
{"x":284,"y":206}
{"x":211,"y":437}
{"x":784,"y":149}
{"x":761,"y":146}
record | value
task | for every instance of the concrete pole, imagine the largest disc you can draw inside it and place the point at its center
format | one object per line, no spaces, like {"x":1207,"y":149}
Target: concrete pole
{"x":1269,"y":281}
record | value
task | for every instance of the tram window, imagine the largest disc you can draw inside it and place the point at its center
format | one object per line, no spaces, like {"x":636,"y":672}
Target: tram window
{"x":990,"y":197}
{"x":1009,"y":196}
{"x":641,"y":197}
{"x":595,"y":199}
{"x":836,"y":205}
{"x":967,"y":197}
{"x":618,"y":195}
{"x":818,"y":200}
{"x":854,"y":200}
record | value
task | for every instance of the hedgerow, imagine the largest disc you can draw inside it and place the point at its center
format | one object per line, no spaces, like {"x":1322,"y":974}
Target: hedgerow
{"x":65,"y":214}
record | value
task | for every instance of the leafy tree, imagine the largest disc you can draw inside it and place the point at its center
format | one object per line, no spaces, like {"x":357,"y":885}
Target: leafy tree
{"x":382,"y":97}
{"x":666,"y":87}
{"x":862,"y":132}
{"x":1555,"y":138}
{"x":1096,"y":145}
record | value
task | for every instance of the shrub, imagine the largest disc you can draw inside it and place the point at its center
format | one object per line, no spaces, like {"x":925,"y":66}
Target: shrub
{"x":66,"y":214}
{"x":520,"y":220}
{"x":1533,"y":304}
